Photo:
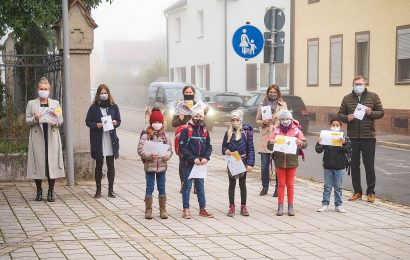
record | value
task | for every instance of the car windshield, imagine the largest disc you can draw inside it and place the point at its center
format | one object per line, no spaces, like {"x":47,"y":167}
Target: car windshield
{"x":175,"y":94}
{"x":227,"y":98}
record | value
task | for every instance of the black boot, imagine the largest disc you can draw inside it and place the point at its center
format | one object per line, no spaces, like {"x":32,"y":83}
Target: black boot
{"x":39,"y":196}
{"x":50,"y":196}
{"x":111,"y":194}
{"x":275,"y":194}
{"x":98,"y":192}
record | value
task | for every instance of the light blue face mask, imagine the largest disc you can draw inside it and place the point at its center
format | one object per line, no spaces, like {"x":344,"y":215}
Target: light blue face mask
{"x":358,"y":89}
{"x":103,"y":96}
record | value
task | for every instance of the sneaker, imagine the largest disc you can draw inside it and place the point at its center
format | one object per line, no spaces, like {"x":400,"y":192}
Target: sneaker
{"x":323,"y":208}
{"x":340,"y":209}
{"x":356,"y":196}
{"x":263,"y":192}
{"x":244,"y":211}
{"x":186,"y":214}
{"x":204,"y":213}
{"x":371,"y":198}
{"x":231,"y":211}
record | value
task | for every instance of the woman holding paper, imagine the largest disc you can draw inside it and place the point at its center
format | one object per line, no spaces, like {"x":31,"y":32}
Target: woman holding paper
{"x":287,"y":139}
{"x":103,"y":118}
{"x":267,"y":119}
{"x":155,"y":163}
{"x":45,"y":155}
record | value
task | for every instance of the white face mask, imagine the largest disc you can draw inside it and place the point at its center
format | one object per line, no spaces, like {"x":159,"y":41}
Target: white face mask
{"x":358,"y":89}
{"x":335,"y":129}
{"x":43,"y":93}
{"x":286,"y":122}
{"x":103,"y":96}
{"x":157,"y":126}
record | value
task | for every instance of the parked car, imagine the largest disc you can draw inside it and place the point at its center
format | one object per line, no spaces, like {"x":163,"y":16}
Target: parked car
{"x":165,"y":94}
{"x":295,"y":105}
{"x":223,"y":103}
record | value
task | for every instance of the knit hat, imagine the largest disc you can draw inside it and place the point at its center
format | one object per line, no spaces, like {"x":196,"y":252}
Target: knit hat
{"x":285,"y":114}
{"x":156,"y":116}
{"x":238,"y":114}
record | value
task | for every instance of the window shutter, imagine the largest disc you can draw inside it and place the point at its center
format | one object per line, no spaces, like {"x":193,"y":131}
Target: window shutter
{"x":208,"y":76}
{"x":403,"y":44}
{"x":336,"y":61}
{"x":193,"y":74}
{"x":172,"y":74}
{"x":313,"y":62}
{"x":251,"y":76}
{"x":183,"y":74}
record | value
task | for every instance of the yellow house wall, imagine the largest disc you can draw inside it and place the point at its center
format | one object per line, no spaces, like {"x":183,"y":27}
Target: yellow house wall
{"x":331,"y":17}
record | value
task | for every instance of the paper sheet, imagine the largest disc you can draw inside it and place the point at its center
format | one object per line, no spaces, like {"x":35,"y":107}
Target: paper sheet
{"x":360,"y":111}
{"x":158,"y":148}
{"x":107,"y":123}
{"x":266,"y":113}
{"x":331,"y":138}
{"x":235,"y":165}
{"x":198,"y":172}
{"x":285,"y":144}
{"x":50,"y":115}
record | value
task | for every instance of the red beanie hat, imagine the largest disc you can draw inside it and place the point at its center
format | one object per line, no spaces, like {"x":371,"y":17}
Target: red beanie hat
{"x":156,"y":116}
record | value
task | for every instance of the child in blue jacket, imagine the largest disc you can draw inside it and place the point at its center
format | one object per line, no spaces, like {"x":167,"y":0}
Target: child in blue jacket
{"x":239,"y":137}
{"x":195,"y":148}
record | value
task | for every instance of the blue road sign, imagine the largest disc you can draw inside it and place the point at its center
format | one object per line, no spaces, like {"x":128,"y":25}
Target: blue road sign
{"x":247,"y":41}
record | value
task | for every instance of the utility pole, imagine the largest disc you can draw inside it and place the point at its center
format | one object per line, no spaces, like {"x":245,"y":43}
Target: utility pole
{"x":67,"y":98}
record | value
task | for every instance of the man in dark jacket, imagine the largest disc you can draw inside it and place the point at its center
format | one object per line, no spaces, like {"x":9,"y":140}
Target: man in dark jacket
{"x":362,"y":134}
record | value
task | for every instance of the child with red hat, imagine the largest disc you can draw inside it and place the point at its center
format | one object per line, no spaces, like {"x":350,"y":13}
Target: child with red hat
{"x":155,"y":165}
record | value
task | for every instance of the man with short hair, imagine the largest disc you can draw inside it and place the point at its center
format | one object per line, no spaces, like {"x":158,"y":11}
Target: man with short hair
{"x":362,"y":134}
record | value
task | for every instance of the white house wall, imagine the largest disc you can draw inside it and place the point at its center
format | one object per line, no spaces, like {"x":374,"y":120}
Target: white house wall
{"x":209,"y":49}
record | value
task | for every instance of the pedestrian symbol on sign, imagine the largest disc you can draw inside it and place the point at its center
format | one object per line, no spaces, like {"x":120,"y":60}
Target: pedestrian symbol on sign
{"x":247,"y":41}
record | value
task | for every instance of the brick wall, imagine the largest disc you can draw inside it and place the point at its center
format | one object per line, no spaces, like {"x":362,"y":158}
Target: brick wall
{"x":395,"y":121}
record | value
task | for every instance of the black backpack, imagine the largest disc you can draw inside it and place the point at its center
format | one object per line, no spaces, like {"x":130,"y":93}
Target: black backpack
{"x":348,"y":155}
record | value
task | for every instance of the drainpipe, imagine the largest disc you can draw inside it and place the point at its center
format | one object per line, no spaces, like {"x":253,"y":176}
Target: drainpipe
{"x":226,"y":43}
{"x":166,"y":19}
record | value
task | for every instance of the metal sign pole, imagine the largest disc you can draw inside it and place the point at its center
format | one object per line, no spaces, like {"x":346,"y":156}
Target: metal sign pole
{"x":272,"y":49}
{"x":67,"y":98}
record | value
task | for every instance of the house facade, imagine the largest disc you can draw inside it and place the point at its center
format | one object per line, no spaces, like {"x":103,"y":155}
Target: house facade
{"x":334,"y":40}
{"x":199,"y":43}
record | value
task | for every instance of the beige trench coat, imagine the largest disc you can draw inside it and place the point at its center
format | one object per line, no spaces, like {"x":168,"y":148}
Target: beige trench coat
{"x":36,"y":162}
{"x":265,"y":131}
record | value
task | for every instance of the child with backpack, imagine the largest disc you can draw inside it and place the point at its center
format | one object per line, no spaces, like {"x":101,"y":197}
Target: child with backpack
{"x":334,"y":163}
{"x":155,"y":166}
{"x":239,"y":137}
{"x":195,"y":148}
{"x":286,"y":164}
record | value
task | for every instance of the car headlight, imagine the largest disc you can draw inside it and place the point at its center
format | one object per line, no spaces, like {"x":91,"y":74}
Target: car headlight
{"x":211,"y":111}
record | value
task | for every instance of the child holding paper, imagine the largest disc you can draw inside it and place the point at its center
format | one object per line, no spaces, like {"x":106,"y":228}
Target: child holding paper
{"x":195,"y":148}
{"x":155,"y":165}
{"x":334,"y":165}
{"x":286,"y":164}
{"x":239,"y":138}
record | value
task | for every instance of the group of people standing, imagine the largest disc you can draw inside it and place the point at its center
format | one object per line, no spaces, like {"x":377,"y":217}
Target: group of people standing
{"x":45,"y":159}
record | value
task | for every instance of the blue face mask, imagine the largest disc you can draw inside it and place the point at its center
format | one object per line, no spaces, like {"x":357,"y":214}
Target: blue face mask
{"x":358,"y":89}
{"x":103,"y":96}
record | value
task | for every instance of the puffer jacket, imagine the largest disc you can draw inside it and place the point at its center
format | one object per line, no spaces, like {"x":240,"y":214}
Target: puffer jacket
{"x":198,"y":146}
{"x":333,"y":156}
{"x":244,"y":145}
{"x":361,"y":128}
{"x":159,"y":165}
{"x":283,"y":160}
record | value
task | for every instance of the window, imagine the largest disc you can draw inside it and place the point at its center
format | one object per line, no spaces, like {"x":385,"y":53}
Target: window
{"x":152,"y":93}
{"x":171,"y":72}
{"x":201,"y":23}
{"x":180,"y":74}
{"x":178,"y":29}
{"x":313,"y":62}
{"x":263,"y":75}
{"x":362,"y":54}
{"x":201,"y":79}
{"x":193,"y":75}
{"x":251,"y":76}
{"x":403,"y":54}
{"x":336,"y":53}
{"x":252,"y":100}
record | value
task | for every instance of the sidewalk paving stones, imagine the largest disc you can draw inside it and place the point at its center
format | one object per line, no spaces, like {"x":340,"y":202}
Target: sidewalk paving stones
{"x":76,"y":226}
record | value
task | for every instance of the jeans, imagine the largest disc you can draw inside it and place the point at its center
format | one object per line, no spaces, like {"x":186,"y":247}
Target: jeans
{"x":110,"y":171}
{"x":150,"y":179}
{"x":367,"y":149}
{"x":333,"y":179}
{"x":265,"y":163}
{"x":286,"y":178}
{"x":242,"y":186}
{"x":199,"y":184}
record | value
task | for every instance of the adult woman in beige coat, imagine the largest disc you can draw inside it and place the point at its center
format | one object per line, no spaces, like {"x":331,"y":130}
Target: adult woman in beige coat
{"x":45,"y":155}
{"x":273,"y":99}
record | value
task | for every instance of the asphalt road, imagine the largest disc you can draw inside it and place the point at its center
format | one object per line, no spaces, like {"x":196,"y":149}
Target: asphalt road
{"x":392,"y":164}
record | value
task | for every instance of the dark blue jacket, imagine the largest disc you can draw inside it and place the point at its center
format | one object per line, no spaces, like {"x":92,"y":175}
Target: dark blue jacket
{"x":93,"y":117}
{"x":244,"y":145}
{"x":197,"y":147}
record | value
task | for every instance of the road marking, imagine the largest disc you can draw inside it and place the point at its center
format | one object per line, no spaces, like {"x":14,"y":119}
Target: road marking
{"x":389,"y":173}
